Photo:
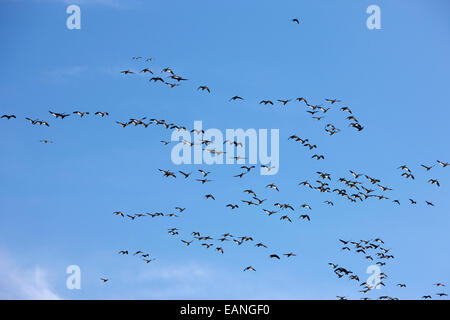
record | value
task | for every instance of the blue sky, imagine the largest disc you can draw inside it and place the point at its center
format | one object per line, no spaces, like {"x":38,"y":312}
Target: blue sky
{"x":57,"y":199}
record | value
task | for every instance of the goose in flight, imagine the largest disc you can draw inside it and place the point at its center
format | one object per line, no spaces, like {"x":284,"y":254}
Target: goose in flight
{"x":186,"y":242}
{"x":219,"y":249}
{"x":156,"y":79}
{"x":267,"y":167}
{"x":249,"y":202}
{"x":266,"y":102}
{"x":236,"y":98}
{"x":356,"y":125}
{"x":272,"y":186}
{"x":286,"y":218}
{"x":404,"y":167}
{"x":203,"y":181}
{"x":59,"y":115}
{"x":204,"y":173}
{"x":408,"y":175}
{"x":290,"y":254}
{"x":250,"y":192}
{"x":274,"y":256}
{"x":434,"y":181}
{"x":104,"y":280}
{"x":332,"y":101}
{"x":146,"y":70}
{"x":428,"y":168}
{"x":81,"y":114}
{"x":260,"y":201}
{"x":240,"y":175}
{"x":167,"y":173}
{"x":384,"y":188}
{"x":305,"y":216}
{"x":203,"y":88}
{"x":148,"y":260}
{"x":324,"y":175}
{"x":177,"y":78}
{"x":198,"y":131}
{"x":123,"y":124}
{"x":118,"y":213}
{"x":167,"y":70}
{"x":443,"y":164}
{"x":127,"y":72}
{"x":346,"y":109}
{"x":269,"y":212}
{"x":260,"y":245}
{"x":248,"y":168}
{"x":283,"y":101}
{"x":102,"y":114}
{"x":8,"y":116}
{"x":210,"y":196}
{"x":318,"y":157}
{"x":295,"y":20}
{"x":249,"y":268}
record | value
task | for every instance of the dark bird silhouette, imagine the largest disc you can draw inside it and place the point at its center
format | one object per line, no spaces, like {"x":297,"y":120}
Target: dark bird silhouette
{"x":428,"y":168}
{"x":203,"y":88}
{"x":332,"y":101}
{"x":266,"y":102}
{"x":156,"y":79}
{"x":272,"y":186}
{"x":443,"y":164}
{"x":236,"y":98}
{"x":250,"y":268}
{"x":146,"y":70}
{"x":8,"y":116}
{"x":127,"y":72}
{"x":210,"y":196}
{"x":434,"y":181}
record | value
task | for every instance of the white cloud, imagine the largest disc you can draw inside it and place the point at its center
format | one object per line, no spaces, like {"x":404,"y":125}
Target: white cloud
{"x":21,"y":283}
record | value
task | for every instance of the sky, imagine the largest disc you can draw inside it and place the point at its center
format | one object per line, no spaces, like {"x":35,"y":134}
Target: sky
{"x":58,"y":199}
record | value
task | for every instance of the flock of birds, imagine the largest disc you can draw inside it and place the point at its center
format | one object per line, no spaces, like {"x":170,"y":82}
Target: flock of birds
{"x":356,"y":187}
{"x":372,"y":250}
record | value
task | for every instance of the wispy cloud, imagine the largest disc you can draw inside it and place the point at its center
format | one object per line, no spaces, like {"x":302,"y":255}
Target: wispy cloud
{"x":21,"y":283}
{"x":64,"y":73}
